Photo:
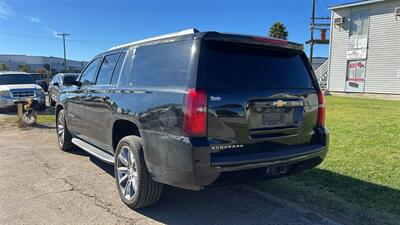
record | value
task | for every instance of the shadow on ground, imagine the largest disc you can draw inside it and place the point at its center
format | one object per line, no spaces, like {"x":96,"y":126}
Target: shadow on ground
{"x":179,"y":206}
{"x":355,"y":190}
{"x":44,"y":126}
{"x":339,"y":195}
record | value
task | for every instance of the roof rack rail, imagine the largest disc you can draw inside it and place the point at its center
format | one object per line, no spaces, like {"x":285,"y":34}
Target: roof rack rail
{"x":170,"y":35}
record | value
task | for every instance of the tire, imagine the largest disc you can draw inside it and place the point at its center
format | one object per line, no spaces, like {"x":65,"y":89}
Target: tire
{"x":132,"y":175}
{"x":64,"y":138}
{"x":51,"y":102}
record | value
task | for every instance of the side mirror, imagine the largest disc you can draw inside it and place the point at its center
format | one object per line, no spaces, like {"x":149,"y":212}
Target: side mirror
{"x":71,"y":80}
{"x":56,"y":84}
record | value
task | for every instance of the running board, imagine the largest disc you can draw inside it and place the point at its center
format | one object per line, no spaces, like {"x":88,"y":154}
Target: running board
{"x":93,"y":151}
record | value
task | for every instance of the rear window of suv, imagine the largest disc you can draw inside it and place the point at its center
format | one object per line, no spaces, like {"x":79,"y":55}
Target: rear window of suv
{"x":224,"y":64}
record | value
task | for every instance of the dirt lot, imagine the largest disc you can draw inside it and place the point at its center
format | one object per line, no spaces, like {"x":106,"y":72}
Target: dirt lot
{"x":40,"y":184}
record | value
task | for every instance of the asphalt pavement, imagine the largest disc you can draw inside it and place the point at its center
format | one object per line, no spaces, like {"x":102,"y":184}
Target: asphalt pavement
{"x":40,"y":184}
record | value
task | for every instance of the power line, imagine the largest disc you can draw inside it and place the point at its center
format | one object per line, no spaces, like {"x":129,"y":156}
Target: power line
{"x":312,"y":31}
{"x":322,"y":11}
{"x":319,"y":25}
{"x":57,"y":39}
{"x":326,"y":4}
{"x":28,"y":36}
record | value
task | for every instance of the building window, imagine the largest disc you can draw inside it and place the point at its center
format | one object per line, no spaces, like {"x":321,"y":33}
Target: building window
{"x":359,"y":22}
{"x":355,"y":77}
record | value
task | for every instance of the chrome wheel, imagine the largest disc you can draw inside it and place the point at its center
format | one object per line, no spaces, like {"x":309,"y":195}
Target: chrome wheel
{"x":127,"y":173}
{"x":60,"y":128}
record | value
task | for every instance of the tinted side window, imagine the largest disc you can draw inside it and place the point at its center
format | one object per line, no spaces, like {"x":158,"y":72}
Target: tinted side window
{"x":107,"y":69}
{"x":88,"y":76}
{"x":115,"y":76}
{"x":163,"y":64}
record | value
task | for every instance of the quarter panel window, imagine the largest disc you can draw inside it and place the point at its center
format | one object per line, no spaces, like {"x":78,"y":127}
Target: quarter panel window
{"x":107,"y":69}
{"x":89,"y":75}
{"x":115,"y":77}
{"x":165,"y":65}
{"x":125,"y":77}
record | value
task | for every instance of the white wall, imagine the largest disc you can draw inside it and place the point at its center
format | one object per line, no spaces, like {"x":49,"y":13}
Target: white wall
{"x":383,"y":62}
{"x":383,"y":59}
{"x":338,"y":51}
{"x":34,"y":62}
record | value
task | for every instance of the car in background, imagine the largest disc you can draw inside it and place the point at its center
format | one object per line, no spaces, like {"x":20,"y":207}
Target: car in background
{"x":41,"y":80}
{"x":56,"y":86}
{"x":16,"y":87}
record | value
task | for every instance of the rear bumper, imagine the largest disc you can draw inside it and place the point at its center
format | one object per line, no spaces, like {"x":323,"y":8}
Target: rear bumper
{"x":267,"y":158}
{"x":181,"y":164}
{"x":264,"y":168}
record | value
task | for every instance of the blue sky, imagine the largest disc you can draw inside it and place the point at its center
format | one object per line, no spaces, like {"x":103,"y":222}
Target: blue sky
{"x":29,"y":26}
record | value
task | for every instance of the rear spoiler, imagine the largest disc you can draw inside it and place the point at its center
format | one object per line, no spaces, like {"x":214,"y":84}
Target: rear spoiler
{"x":256,"y":40}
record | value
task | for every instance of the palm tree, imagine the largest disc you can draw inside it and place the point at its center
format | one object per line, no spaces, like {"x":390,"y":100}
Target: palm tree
{"x":3,"y":67}
{"x":24,"y":68}
{"x":278,"y":30}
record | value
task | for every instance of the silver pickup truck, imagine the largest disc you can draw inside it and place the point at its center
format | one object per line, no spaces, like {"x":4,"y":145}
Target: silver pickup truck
{"x":16,"y":87}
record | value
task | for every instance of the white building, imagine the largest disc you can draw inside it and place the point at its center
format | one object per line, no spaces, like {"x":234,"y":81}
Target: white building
{"x":365,"y":47}
{"x":14,"y":61}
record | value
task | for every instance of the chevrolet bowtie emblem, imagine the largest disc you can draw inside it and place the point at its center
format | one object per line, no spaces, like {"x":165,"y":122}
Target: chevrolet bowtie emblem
{"x":279,"y":103}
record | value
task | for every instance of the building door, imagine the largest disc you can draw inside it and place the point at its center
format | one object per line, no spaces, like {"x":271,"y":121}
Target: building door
{"x":355,"y":78}
{"x":357,"y":51}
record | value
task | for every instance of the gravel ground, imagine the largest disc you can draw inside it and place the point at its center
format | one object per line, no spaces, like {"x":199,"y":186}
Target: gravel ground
{"x":40,"y":184}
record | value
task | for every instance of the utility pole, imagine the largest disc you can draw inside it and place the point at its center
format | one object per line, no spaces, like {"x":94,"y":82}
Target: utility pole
{"x":65,"y":53}
{"x":312,"y":31}
{"x":320,"y":25}
{"x":51,"y":60}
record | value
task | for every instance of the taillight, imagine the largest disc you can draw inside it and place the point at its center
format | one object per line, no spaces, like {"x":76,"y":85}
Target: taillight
{"x":271,"y":40}
{"x":195,"y":113}
{"x":321,"y":108}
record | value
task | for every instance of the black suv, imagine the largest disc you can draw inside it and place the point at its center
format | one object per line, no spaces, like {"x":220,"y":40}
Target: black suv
{"x":194,"y":109}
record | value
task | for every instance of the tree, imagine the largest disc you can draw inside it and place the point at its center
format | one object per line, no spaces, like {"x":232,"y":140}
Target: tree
{"x":42,"y":71}
{"x":46,"y":66}
{"x":24,"y":68}
{"x":3,"y":67}
{"x":53,"y":71}
{"x":278,"y":30}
